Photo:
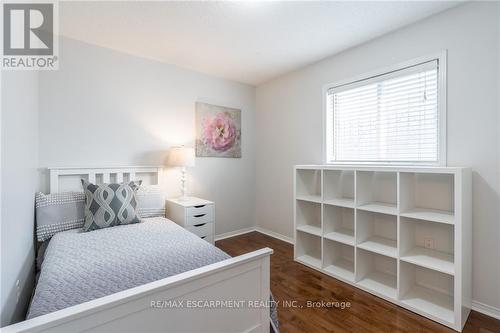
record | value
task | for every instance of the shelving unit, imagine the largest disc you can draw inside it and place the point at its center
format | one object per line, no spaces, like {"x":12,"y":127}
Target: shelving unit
{"x":403,"y":234}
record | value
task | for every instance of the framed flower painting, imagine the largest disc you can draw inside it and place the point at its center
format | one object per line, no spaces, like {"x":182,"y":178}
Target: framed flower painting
{"x":218,"y":131}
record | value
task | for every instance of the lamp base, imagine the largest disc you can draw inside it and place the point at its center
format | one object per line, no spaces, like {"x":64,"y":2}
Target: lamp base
{"x":183,"y":197}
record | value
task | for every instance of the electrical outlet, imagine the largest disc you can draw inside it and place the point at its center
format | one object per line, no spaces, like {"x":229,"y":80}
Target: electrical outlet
{"x":429,"y":243}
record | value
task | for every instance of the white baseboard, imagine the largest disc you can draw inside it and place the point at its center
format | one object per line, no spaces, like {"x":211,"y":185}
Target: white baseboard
{"x":274,"y":235}
{"x":234,"y":233}
{"x":486,"y":309}
{"x":251,"y":229}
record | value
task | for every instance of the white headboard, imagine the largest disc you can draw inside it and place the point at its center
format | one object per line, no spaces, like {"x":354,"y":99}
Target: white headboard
{"x":69,"y":179}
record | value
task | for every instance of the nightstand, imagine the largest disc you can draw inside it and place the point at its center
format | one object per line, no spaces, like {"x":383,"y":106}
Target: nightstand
{"x":195,"y":214}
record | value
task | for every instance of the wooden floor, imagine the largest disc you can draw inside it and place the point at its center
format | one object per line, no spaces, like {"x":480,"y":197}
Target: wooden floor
{"x":291,"y":281}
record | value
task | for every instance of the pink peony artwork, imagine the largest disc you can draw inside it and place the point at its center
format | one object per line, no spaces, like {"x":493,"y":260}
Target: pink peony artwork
{"x":218,"y":131}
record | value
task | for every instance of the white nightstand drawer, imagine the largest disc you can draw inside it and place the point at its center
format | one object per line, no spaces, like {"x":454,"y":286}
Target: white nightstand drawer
{"x":198,"y":215}
{"x":202,"y":230}
{"x":209,"y":239}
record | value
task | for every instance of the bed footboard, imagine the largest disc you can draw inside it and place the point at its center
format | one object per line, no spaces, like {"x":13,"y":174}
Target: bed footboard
{"x":228,"y":296}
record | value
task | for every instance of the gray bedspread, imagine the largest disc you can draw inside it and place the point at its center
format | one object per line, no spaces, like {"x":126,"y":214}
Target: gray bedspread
{"x":82,"y":266}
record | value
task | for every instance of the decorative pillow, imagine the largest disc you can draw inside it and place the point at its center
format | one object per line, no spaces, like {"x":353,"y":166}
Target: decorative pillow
{"x":58,"y":212}
{"x":108,"y":205}
{"x":150,"y":201}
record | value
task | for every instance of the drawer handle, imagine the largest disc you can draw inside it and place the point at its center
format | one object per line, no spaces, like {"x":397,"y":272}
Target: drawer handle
{"x":199,"y":225}
{"x":200,"y":206}
{"x":199,"y":215}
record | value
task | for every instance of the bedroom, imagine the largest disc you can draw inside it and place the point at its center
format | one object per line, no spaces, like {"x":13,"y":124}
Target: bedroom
{"x":239,"y":104}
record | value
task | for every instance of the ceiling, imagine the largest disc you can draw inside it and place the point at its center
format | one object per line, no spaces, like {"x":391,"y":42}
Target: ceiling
{"x":249,"y":42}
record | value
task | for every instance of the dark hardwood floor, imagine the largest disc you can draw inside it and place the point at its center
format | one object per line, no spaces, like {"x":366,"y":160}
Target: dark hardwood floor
{"x":291,"y":281}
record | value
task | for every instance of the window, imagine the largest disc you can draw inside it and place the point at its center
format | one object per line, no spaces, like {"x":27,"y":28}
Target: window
{"x":394,"y":117}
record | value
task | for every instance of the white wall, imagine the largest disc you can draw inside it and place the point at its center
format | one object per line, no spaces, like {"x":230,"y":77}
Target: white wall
{"x":289,"y":121}
{"x":19,"y":147}
{"x":107,"y":108}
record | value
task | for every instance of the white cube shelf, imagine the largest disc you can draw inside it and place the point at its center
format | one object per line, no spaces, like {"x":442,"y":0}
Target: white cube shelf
{"x":439,"y":255}
{"x":429,"y":292}
{"x":400,"y":233}
{"x":308,"y":185}
{"x":338,"y":224}
{"x":309,"y":217}
{"x":377,"y":233}
{"x":428,"y":196}
{"x":376,"y":191}
{"x":377,"y":273}
{"x":308,"y":249}
{"x":338,"y":259}
{"x":339,"y":187}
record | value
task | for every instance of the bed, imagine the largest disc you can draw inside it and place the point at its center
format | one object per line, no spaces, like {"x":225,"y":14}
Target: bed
{"x":152,"y":276}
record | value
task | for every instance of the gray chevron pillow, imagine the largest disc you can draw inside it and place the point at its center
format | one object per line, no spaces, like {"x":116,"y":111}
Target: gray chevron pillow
{"x":108,"y":205}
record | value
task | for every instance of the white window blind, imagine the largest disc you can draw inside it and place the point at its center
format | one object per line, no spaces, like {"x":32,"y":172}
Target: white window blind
{"x":392,"y":117}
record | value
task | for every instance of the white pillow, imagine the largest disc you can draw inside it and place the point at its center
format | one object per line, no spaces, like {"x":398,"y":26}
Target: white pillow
{"x":150,"y":201}
{"x":58,"y":212}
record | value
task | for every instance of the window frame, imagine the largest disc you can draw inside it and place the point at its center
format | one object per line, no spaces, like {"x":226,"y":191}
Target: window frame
{"x":441,"y":58}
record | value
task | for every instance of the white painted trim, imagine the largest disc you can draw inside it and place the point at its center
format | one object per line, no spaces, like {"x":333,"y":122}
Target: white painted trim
{"x":443,"y":106}
{"x":234,"y":233}
{"x":273,"y":234}
{"x":441,"y":57}
{"x":255,"y":229}
{"x":486,"y":309}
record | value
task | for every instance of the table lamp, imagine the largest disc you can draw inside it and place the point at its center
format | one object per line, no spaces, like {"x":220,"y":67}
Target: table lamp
{"x":181,"y":157}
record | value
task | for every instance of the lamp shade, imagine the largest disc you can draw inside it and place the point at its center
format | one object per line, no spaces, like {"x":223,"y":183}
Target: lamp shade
{"x":181,"y":157}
